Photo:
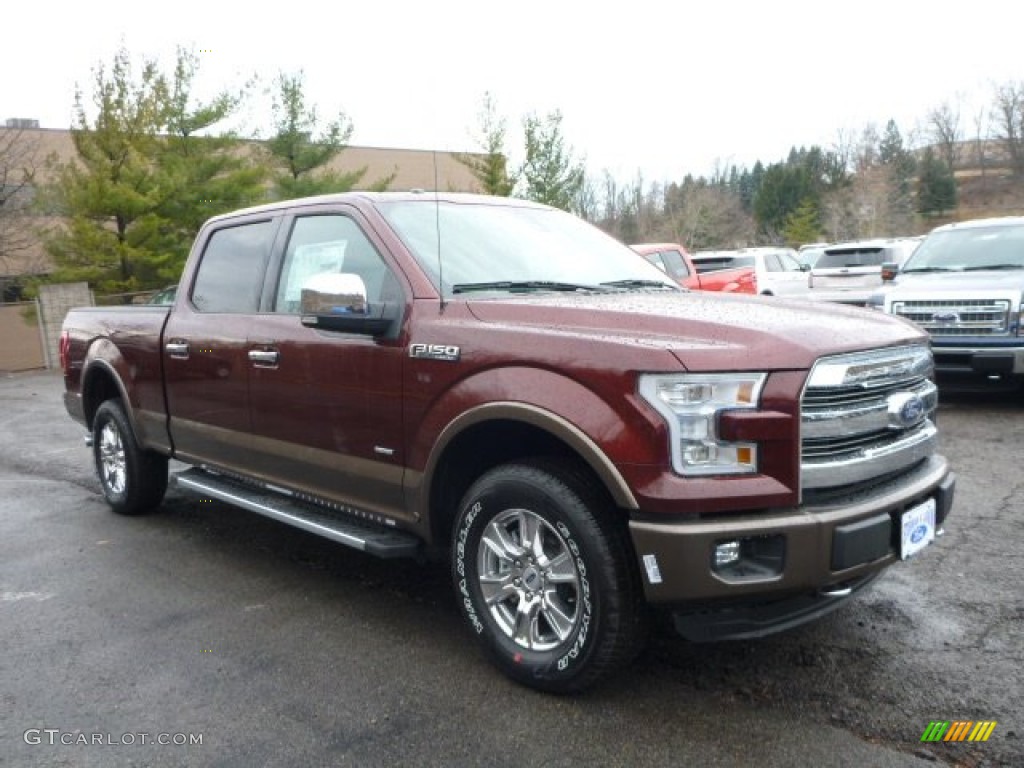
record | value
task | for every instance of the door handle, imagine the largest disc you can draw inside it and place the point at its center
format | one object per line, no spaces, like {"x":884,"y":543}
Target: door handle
{"x":264,"y":357}
{"x":177,"y":349}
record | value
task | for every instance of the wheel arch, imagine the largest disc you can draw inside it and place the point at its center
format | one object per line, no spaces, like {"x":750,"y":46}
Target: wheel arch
{"x":104,"y":379}
{"x":496,"y":433}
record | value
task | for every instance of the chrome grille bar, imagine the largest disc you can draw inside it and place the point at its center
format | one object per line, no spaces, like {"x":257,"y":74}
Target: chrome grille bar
{"x":866,"y":415}
{"x":957,"y":317}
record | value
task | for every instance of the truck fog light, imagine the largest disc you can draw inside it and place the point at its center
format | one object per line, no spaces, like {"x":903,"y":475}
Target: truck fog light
{"x":726,"y":553}
{"x":749,"y":559}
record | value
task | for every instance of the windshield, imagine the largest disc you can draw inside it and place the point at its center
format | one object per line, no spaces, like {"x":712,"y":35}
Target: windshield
{"x":998,"y":247}
{"x":509,"y":248}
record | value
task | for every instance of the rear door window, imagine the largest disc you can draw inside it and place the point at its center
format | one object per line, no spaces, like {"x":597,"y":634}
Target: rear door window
{"x":230,"y":275}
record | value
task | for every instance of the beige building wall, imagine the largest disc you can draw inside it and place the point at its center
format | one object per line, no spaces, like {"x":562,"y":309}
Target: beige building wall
{"x":20,"y":341}
{"x":413,"y":169}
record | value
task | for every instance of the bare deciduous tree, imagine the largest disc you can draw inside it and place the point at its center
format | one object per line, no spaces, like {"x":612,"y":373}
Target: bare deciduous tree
{"x":866,"y":152}
{"x":1008,"y":118}
{"x":19,"y":150}
{"x":943,"y":129}
{"x":981,"y":122}
{"x":705,"y":216}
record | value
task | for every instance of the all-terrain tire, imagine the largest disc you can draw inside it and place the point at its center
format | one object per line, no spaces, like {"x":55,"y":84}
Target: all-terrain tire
{"x":545,"y":576}
{"x":133,"y":480}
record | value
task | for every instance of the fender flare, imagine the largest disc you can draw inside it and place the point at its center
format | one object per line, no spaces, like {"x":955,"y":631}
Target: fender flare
{"x":104,"y":358}
{"x":545,"y":420}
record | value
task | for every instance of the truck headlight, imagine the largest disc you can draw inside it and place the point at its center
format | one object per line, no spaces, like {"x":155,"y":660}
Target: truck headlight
{"x":690,"y":404}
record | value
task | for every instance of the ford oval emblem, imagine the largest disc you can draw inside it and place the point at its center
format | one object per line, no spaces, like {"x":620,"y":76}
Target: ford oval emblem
{"x":919,"y":533}
{"x":906,"y":409}
{"x":946,"y":318}
{"x":912,"y":411}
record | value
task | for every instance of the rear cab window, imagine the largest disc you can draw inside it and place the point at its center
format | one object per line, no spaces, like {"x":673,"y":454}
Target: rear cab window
{"x":231,"y":271}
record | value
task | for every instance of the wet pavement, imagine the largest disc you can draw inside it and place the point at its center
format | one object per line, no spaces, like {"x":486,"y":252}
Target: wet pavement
{"x":276,"y":648}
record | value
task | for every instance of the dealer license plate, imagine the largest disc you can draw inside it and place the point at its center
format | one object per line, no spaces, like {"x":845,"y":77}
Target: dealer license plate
{"x":918,"y":528}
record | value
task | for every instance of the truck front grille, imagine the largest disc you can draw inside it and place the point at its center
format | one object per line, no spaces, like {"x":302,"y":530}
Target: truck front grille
{"x":957,"y":317}
{"x":865,"y":416}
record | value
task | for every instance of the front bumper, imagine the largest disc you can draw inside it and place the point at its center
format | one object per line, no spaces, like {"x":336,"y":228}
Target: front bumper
{"x":824,"y":546}
{"x":743,"y":622}
{"x":989,"y":359}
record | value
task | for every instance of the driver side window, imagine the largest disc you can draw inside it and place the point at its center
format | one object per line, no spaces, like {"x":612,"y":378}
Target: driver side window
{"x":329,"y":244}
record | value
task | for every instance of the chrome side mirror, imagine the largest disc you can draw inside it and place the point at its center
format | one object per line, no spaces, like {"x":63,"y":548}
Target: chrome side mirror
{"x":337,"y":302}
{"x":333,"y":294}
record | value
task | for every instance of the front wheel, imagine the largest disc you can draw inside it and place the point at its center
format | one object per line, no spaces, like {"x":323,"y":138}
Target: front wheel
{"x":545,"y":577}
{"x":133,"y":480}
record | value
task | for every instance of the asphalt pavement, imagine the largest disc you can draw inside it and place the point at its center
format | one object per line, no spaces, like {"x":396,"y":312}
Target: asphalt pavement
{"x":205,"y":635}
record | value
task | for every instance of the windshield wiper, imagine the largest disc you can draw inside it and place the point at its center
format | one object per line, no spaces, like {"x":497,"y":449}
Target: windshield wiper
{"x":514,"y":286}
{"x":929,"y":269}
{"x":980,"y":267}
{"x":639,"y":284}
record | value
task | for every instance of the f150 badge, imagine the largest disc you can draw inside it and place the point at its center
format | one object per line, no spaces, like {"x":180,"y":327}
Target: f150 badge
{"x":447,"y":352}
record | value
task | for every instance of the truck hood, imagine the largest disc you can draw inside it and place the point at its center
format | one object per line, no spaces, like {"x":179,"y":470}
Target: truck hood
{"x":1000,"y":280}
{"x":705,"y":331}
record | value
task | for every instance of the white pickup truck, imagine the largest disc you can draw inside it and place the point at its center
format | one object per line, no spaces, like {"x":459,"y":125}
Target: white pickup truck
{"x":965,"y":286}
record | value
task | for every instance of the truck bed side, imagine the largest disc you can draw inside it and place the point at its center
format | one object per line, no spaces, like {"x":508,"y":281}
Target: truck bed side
{"x":736,"y":280}
{"x":117,"y":351}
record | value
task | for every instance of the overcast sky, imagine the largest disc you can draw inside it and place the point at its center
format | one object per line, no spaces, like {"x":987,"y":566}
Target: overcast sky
{"x":667,"y":88}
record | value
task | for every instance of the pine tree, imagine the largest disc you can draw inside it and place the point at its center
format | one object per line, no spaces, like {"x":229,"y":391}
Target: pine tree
{"x":302,"y":152}
{"x":143,"y":177}
{"x":549,"y":174}
{"x":936,"y":185}
{"x":490,"y":167}
{"x":784,"y":188}
{"x":802,"y":225}
{"x":112,"y":184}
{"x":900,"y":166}
{"x":204,"y":174}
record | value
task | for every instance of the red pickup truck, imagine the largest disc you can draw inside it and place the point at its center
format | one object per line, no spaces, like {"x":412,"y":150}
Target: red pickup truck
{"x":500,"y":384}
{"x":726,"y":271}
{"x":673,"y":260}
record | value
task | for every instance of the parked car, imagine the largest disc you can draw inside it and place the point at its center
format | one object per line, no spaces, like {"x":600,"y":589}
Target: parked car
{"x":778,"y":271}
{"x":965,"y":286}
{"x":849,"y":273}
{"x":672,"y":259}
{"x":768,"y":271}
{"x":811,"y":252}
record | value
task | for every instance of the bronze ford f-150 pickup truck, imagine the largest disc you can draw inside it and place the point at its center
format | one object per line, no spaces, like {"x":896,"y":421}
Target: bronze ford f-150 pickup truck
{"x":500,"y":383}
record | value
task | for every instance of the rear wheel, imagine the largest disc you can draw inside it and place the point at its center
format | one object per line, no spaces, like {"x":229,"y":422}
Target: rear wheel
{"x":133,"y":480}
{"x":545,"y":576}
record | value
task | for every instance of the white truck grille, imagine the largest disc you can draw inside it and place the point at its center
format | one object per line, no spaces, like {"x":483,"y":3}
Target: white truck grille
{"x":959,"y":317}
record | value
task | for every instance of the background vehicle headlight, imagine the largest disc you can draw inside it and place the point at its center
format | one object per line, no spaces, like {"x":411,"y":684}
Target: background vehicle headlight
{"x":690,"y":404}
